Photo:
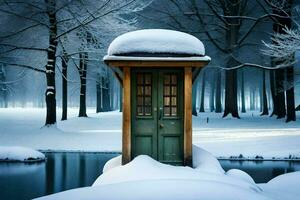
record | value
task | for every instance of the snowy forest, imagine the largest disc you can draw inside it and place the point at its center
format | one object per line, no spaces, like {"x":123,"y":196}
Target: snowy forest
{"x":150,"y":99}
{"x":51,"y":53}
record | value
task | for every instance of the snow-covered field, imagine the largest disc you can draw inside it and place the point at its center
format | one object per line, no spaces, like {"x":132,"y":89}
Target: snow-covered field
{"x":250,"y":136}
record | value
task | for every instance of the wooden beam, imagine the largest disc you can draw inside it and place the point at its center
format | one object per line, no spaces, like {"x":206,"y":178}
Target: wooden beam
{"x":140,"y":63}
{"x":126,"y":129}
{"x":187,"y":116}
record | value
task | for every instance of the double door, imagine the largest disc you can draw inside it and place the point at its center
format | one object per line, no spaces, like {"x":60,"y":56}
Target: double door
{"x":157,"y":114}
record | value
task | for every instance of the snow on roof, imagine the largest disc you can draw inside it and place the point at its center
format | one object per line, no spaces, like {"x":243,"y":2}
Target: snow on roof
{"x":133,"y":58}
{"x":156,"y":41}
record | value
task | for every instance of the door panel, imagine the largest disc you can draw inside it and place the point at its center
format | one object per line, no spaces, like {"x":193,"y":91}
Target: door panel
{"x":157,"y":115}
{"x":144,"y":115}
{"x":170,"y":121}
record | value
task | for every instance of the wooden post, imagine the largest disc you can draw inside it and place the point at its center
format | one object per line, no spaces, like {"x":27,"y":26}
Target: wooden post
{"x":187,"y":116}
{"x":126,"y":129}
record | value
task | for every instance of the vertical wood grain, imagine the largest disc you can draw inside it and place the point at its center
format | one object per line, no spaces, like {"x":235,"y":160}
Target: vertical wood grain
{"x":126,"y":129}
{"x":187,"y":116}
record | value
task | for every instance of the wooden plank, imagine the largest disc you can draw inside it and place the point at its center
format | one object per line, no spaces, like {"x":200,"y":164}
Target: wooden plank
{"x":126,"y":129}
{"x":187,"y":147}
{"x":140,"y":63}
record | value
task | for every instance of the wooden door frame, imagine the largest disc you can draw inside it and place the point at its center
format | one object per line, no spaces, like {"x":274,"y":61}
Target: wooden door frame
{"x":187,"y":116}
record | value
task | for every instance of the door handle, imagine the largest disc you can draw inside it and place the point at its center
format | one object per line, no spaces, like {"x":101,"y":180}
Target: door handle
{"x":160,"y":113}
{"x":161,"y":125}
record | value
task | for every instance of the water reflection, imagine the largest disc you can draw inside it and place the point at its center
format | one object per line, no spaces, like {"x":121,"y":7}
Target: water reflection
{"x":62,"y":171}
{"x":262,"y":171}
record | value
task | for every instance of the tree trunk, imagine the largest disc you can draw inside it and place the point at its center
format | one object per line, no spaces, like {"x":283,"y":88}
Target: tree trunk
{"x":273,"y":93}
{"x":243,"y":109}
{"x":280,"y":96}
{"x":202,"y":93}
{"x":99,"y":95}
{"x":211,"y":96}
{"x":3,"y":87}
{"x":64,"y":65}
{"x":231,"y":94}
{"x":50,"y":67}
{"x":194,"y":98}
{"x":231,"y":106}
{"x":290,"y":97}
{"x":83,"y":73}
{"x":106,"y":100}
{"x":121,"y":98}
{"x":265,"y":110}
{"x":218,"y":104}
{"x":283,"y":20}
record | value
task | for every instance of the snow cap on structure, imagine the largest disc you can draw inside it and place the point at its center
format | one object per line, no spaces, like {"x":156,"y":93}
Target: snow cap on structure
{"x":156,"y":42}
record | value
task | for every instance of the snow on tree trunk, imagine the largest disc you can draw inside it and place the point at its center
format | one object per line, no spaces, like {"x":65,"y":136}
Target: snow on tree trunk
{"x":50,"y":67}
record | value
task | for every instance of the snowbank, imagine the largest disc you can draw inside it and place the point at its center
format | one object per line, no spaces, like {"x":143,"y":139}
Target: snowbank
{"x":285,"y":186}
{"x":156,"y":41}
{"x":112,"y":163}
{"x":23,"y":154}
{"x":146,"y":179}
{"x":211,"y":164}
{"x":205,"y":161}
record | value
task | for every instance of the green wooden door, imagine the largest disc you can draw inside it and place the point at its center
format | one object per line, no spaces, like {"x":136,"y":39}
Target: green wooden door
{"x":157,"y":114}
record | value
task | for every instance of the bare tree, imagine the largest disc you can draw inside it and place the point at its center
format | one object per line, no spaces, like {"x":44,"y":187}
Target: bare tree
{"x":284,"y":43}
{"x":41,"y":24}
{"x":226,"y":27}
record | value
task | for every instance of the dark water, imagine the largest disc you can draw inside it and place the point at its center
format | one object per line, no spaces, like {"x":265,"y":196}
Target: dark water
{"x":262,"y":171}
{"x":64,"y":171}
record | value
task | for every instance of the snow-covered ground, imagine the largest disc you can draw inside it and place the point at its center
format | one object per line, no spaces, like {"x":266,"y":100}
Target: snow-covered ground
{"x":207,"y":181}
{"x":250,"y":136}
{"x":21,"y":154}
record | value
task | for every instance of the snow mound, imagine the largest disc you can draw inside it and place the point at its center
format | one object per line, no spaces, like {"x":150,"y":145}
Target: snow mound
{"x":156,"y":41}
{"x":144,"y":168}
{"x":240,"y":174}
{"x":146,"y":179}
{"x":112,"y":163}
{"x":205,"y":161}
{"x":23,"y":154}
{"x":285,"y":186}
{"x":160,"y":190}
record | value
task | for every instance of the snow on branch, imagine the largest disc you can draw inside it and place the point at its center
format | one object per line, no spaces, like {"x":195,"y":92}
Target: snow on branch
{"x":283,"y":46}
